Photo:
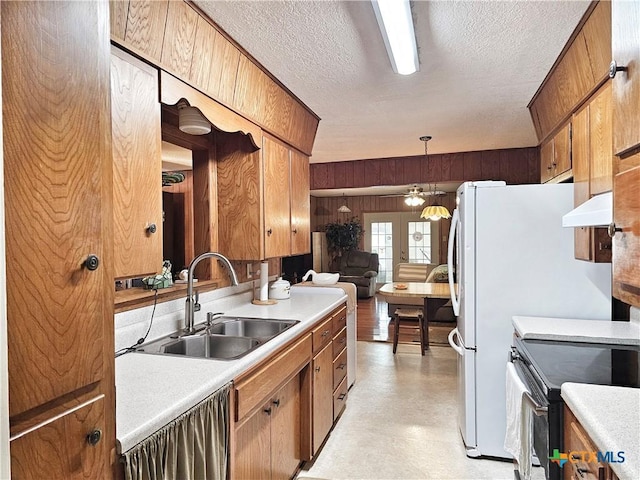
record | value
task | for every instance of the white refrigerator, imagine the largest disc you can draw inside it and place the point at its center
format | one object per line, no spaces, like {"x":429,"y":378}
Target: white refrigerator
{"x":512,"y":257}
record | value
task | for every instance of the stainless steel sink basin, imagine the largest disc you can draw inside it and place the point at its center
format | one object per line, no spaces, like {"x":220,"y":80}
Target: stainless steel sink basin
{"x":227,"y":338}
{"x":211,"y":346}
{"x":250,"y":327}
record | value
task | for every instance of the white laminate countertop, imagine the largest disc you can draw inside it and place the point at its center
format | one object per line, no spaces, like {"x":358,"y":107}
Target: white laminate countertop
{"x":611,"y":417}
{"x":152,"y":390}
{"x":577,"y":330}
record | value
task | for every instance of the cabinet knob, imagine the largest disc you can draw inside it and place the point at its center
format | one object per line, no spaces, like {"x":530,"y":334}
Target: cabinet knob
{"x":612,"y":229}
{"x":295,"y":230}
{"x":317,"y":369}
{"x":151,"y":229}
{"x":267,"y":411}
{"x":92,"y":262}
{"x":342,"y":396}
{"x":615,"y":68}
{"x":269,"y":232}
{"x":94,"y":437}
{"x":276,"y":402}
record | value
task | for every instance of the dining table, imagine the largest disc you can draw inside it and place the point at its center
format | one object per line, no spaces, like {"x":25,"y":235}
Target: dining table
{"x":434,"y":296}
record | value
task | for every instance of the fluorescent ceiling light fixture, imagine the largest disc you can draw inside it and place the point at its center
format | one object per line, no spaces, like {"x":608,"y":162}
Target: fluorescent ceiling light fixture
{"x":396,"y":25}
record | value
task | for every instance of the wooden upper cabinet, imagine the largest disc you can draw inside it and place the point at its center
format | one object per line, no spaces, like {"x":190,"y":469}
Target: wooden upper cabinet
{"x":555,"y":156}
{"x":580,"y":149}
{"x":146,"y":22}
{"x":600,"y":141}
{"x":626,"y":241}
{"x":277,"y":198}
{"x":592,"y":169}
{"x":179,"y":38}
{"x":626,"y":84}
{"x":300,"y":204}
{"x":137,"y":166}
{"x":578,"y":71}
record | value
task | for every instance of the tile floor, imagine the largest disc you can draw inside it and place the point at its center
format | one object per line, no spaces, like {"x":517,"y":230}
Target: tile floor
{"x":400,"y":422}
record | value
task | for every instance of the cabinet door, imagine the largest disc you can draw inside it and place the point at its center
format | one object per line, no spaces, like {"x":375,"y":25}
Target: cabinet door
{"x":137,"y":167}
{"x":626,"y":242}
{"x":276,"y":198}
{"x":253,"y":446}
{"x":55,"y":89}
{"x":322,"y":395}
{"x":546,"y":161}
{"x":600,"y":142}
{"x":285,"y":431}
{"x":300,"y":204}
{"x":625,"y":46}
{"x":580,"y":147}
{"x":61,"y":448}
{"x":562,"y":150}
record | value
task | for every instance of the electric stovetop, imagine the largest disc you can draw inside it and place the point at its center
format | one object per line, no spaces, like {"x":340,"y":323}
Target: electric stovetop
{"x":557,"y":362}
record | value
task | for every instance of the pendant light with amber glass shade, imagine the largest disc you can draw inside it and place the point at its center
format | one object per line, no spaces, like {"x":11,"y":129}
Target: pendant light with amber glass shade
{"x":435,"y":211}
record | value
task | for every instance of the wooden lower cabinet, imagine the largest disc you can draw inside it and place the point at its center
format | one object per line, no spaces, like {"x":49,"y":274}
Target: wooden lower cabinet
{"x":284,"y":409}
{"x":267,"y":444}
{"x":70,"y":446}
{"x":322,"y":367}
{"x":580,"y":448}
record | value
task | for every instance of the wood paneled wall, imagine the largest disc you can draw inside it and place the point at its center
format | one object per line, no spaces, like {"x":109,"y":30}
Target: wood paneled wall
{"x":325,"y":210}
{"x":514,"y":166}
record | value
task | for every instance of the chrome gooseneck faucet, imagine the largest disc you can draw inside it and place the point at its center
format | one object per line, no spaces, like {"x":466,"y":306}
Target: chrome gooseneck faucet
{"x":192,"y":304}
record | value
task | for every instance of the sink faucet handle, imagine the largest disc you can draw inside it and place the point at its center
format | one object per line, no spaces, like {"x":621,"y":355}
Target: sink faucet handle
{"x":213,"y":316}
{"x":196,"y":304}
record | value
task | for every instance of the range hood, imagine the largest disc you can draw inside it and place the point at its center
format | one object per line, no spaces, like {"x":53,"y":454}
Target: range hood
{"x":595,"y":212}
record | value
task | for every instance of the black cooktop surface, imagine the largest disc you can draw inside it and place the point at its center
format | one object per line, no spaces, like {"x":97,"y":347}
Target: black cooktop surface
{"x":601,"y":364}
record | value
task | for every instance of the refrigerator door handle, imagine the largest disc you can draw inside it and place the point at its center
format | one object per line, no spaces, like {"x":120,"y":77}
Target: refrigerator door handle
{"x":455,"y":300}
{"x":452,"y":342}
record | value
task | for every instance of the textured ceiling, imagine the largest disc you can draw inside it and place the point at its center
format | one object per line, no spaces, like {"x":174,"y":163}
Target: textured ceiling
{"x":480,"y":64}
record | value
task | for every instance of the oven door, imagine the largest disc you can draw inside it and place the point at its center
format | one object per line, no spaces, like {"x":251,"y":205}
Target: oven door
{"x":539,"y":405}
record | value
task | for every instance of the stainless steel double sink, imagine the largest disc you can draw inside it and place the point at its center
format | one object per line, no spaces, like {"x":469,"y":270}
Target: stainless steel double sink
{"x":227,"y":338}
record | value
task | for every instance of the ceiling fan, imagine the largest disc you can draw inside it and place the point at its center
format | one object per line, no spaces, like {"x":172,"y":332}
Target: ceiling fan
{"x":415,"y":195}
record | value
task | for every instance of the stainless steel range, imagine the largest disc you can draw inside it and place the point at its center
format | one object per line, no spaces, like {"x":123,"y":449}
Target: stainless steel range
{"x":544,"y":365}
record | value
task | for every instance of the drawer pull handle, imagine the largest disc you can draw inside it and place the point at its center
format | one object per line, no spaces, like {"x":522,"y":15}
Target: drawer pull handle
{"x":152,"y":229}
{"x":269,"y":232}
{"x":325,"y":333}
{"x":276,"y":402}
{"x":343,"y":340}
{"x":575,"y":456}
{"x":317,"y":369}
{"x":612,"y":229}
{"x":342,"y":365}
{"x":267,"y":411}
{"x":94,"y":437}
{"x":342,"y":396}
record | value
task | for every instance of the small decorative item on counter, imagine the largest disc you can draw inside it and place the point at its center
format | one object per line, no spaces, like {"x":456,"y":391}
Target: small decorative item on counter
{"x":163,"y":280}
{"x":280,"y":289}
{"x":322,"y":278}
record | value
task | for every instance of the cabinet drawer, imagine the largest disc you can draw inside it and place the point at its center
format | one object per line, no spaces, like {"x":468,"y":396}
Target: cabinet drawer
{"x":581,"y":464}
{"x":340,"y":399}
{"x":339,"y":342}
{"x":252,"y":391}
{"x":339,"y":320}
{"x":322,"y":335}
{"x":61,"y":447}
{"x":339,"y":368}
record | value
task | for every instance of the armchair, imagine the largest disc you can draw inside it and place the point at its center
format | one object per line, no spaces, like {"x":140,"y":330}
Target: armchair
{"x":361,"y":269}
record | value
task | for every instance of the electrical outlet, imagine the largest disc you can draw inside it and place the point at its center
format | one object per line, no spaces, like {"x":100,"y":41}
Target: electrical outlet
{"x":249,"y":270}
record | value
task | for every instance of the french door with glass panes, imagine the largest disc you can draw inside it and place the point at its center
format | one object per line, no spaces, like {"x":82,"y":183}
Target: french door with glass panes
{"x":400,"y":237}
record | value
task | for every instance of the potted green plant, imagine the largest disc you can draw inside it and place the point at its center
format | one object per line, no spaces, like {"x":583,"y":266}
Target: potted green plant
{"x":342,"y":237}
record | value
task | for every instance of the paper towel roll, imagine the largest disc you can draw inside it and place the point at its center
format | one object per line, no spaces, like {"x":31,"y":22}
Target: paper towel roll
{"x":264,"y":281}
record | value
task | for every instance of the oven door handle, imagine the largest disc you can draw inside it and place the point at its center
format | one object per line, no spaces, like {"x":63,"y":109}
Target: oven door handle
{"x":538,"y":409}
